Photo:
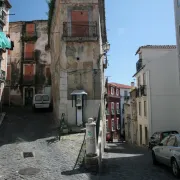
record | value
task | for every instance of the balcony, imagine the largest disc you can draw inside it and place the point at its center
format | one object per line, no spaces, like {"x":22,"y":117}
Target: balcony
{"x":28,"y":79}
{"x":29,"y":55}
{"x":112,"y":111}
{"x":143,"y":90}
{"x":107,"y":112}
{"x":126,"y":98}
{"x":2,"y":17}
{"x":80,"y":31}
{"x":139,"y":65}
{"x":29,"y":36}
{"x":117,"y":111}
{"x":2,"y":76}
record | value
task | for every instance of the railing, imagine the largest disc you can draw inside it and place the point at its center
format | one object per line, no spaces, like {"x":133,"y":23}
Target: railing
{"x":139,"y":65}
{"x":112,"y":111}
{"x":117,"y":111}
{"x":29,"y":55}
{"x":143,"y":90}
{"x":98,"y":122}
{"x":30,"y":34}
{"x":80,"y":31}
{"x":126,"y":98}
{"x":2,"y":75}
{"x":107,"y":111}
{"x":3,"y":16}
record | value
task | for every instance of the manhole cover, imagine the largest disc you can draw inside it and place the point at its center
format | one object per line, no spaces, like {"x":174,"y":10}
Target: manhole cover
{"x":28,"y":154}
{"x":29,"y":171}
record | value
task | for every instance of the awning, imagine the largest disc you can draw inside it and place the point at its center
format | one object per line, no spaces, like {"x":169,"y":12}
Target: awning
{"x":5,"y":42}
{"x":78,"y":92}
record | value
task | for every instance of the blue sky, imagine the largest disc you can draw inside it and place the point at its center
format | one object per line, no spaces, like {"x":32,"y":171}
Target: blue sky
{"x":130,"y":24}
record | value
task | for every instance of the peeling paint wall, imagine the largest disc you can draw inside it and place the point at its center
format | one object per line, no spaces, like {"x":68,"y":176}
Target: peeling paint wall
{"x":40,"y":62}
{"x":75,"y":64}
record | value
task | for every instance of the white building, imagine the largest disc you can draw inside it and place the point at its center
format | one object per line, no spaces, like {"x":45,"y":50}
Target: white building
{"x":158,"y":91}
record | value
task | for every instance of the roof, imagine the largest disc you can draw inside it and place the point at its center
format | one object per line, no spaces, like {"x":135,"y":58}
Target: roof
{"x":121,"y":86}
{"x":156,"y":47}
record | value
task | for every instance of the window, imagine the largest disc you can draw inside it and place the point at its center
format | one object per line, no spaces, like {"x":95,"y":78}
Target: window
{"x":117,"y":92}
{"x":164,"y":141}
{"x":145,"y":109}
{"x":112,"y":124}
{"x":117,"y":123}
{"x":125,"y":93}
{"x":117,"y":105}
{"x":178,"y":3}
{"x":144,"y":78}
{"x":138,"y":81}
{"x":140,"y":108}
{"x":112,"y":105}
{"x":112,"y":90}
{"x":107,"y":127}
{"x":171,"y":141}
{"x":1,"y":27}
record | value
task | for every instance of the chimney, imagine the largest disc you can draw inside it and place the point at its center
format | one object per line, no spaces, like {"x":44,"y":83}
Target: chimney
{"x":132,"y":84}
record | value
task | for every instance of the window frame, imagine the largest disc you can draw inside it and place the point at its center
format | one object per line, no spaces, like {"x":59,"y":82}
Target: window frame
{"x":107,"y":125}
{"x":138,"y":81}
{"x":117,"y":122}
{"x":112,"y":105}
{"x":145,"y":108}
{"x":139,"y":108}
{"x":112,"y":90}
{"x":144,"y":78}
{"x":117,"y":92}
{"x":112,"y":124}
{"x":117,"y":106}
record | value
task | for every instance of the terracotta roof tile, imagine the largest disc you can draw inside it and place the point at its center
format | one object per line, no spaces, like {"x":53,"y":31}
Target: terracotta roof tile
{"x":156,"y":47}
{"x":121,"y":86}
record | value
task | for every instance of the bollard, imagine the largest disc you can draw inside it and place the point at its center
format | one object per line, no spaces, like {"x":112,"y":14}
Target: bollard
{"x":91,"y":158}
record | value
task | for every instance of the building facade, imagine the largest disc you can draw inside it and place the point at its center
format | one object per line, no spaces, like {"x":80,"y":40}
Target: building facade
{"x":5,"y":44}
{"x":28,"y":66}
{"x":158,"y":90}
{"x":113,"y":110}
{"x":130,"y":118}
{"x":78,"y":59}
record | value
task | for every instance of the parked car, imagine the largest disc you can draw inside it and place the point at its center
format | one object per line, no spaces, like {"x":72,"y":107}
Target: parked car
{"x":109,"y":137}
{"x":168,"y":152}
{"x":42,"y":101}
{"x":157,"y":137}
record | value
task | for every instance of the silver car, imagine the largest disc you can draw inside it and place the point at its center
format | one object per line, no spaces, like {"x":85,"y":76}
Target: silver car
{"x":168,"y":152}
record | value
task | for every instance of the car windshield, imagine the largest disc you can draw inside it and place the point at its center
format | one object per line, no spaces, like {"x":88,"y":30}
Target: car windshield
{"x":165,"y":134}
{"x":45,"y":98}
{"x":38,"y":98}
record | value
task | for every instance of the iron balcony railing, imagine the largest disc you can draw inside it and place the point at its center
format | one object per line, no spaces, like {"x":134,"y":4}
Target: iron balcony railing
{"x":141,"y":91}
{"x":112,"y":111}
{"x":107,"y":112}
{"x":80,"y":31}
{"x":117,"y":111}
{"x":126,"y":98}
{"x":2,"y":75}
{"x":139,"y":65}
{"x":29,"y":79}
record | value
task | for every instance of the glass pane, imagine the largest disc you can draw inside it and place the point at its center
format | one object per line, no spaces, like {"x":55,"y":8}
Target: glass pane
{"x":45,"y":98}
{"x":171,"y":141}
{"x":38,"y":98}
{"x":164,"y":141}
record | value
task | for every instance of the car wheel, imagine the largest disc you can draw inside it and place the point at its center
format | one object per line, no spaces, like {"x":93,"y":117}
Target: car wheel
{"x":155,"y":162}
{"x":175,"y":168}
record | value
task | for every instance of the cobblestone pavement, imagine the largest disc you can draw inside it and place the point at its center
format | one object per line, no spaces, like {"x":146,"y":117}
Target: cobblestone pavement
{"x":127,"y":162}
{"x":24,"y":131}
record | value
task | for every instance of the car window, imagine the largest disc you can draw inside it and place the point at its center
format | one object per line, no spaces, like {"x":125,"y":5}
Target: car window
{"x":164,"y":141}
{"x":38,"y":98}
{"x":174,"y":132}
{"x":165,"y":134}
{"x":45,"y":98}
{"x":171,"y":141}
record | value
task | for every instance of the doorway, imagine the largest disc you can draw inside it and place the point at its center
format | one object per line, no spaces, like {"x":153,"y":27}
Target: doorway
{"x":28,"y":96}
{"x":140,"y":134}
{"x":146,"y":136}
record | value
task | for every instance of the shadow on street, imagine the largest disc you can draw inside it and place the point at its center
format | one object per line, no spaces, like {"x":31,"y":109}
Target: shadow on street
{"x":21,"y":124}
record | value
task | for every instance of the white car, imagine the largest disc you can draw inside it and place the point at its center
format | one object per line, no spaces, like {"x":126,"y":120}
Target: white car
{"x":42,"y":101}
{"x":168,"y":152}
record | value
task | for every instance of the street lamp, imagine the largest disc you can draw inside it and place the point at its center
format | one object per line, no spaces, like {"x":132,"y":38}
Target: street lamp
{"x":106,"y":47}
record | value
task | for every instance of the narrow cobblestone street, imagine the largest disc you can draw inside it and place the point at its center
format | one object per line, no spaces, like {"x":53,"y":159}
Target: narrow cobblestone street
{"x":24,"y":131}
{"x":127,"y":162}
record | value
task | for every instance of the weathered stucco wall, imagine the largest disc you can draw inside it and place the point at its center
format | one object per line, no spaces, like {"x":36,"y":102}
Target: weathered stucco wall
{"x":16,"y":61}
{"x":75,"y":64}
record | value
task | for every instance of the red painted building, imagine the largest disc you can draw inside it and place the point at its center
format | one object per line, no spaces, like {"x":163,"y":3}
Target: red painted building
{"x":113,"y":110}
